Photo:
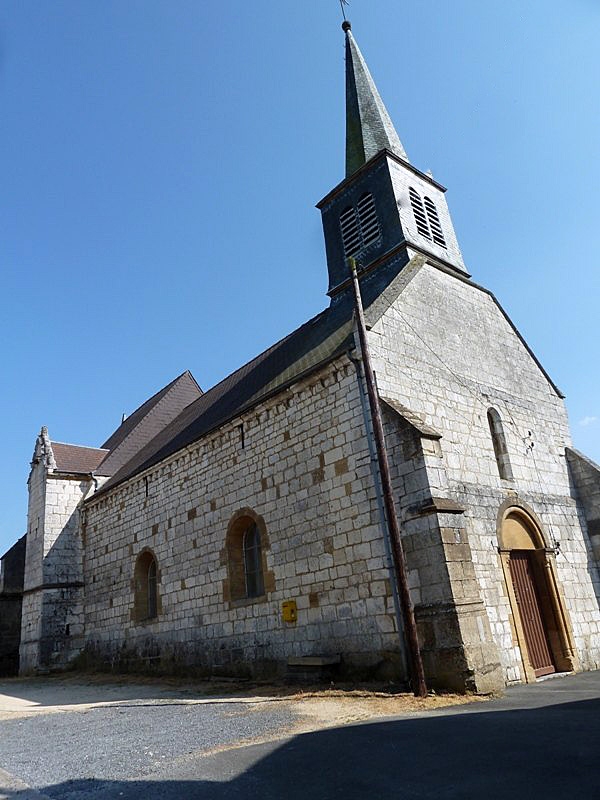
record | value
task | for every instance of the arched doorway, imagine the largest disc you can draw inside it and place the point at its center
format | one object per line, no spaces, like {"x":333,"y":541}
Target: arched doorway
{"x":540,"y":620}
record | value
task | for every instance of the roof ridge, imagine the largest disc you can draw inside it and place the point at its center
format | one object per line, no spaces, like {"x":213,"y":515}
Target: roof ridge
{"x":153,"y":399}
{"x":263,"y":353}
{"x":83,"y":446}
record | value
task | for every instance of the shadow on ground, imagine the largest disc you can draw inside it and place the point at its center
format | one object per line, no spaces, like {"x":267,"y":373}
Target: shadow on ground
{"x":549,"y":752}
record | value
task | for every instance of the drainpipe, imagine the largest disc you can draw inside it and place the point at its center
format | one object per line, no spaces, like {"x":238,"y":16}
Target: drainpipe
{"x":410,"y":625}
{"x":380,"y":507}
{"x":94,"y":479}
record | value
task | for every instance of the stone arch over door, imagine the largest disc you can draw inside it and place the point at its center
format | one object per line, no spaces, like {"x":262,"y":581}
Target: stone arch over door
{"x":540,"y":620}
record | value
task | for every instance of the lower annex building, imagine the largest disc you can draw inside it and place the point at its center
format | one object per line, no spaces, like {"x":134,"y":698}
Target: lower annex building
{"x":232,"y":530}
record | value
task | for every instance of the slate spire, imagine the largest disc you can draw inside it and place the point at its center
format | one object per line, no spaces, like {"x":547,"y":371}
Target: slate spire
{"x":369,"y":128}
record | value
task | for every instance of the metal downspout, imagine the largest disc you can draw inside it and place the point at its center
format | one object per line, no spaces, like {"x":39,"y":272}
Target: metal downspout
{"x":410,"y":626}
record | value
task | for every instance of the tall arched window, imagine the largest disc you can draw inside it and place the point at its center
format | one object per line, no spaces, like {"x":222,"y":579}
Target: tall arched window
{"x":499,"y":442}
{"x":253,"y":562}
{"x":419,"y":213}
{"x":146,"y":587}
{"x":152,"y":590}
{"x":434,"y":222}
{"x":360,"y":225}
{"x":247,"y":576}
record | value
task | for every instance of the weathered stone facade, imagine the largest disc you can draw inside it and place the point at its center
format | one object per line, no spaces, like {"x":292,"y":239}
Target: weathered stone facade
{"x":52,"y":623}
{"x":586,"y":487}
{"x":446,"y":351}
{"x":305,"y":469}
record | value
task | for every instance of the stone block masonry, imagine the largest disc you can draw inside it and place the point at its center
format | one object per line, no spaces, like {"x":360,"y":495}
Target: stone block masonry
{"x":52,"y":613}
{"x":303,"y":467}
{"x":586,"y":479}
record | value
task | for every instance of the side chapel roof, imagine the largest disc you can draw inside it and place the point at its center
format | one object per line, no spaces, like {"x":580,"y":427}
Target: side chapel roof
{"x":76,"y":459}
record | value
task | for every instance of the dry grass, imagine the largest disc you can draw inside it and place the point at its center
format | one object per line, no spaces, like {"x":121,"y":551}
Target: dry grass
{"x":314,"y":706}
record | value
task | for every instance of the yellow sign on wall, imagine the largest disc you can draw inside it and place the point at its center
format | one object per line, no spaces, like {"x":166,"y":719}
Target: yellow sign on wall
{"x":289,"y":611}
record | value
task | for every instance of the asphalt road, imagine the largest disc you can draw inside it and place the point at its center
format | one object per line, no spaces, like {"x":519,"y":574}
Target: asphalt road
{"x":539,"y":741}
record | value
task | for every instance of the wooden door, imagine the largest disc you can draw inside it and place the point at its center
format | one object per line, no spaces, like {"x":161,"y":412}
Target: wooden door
{"x":528,"y":602}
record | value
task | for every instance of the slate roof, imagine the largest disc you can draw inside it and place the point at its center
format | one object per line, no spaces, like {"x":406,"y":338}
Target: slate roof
{"x":126,"y":427}
{"x":17,"y":547}
{"x":369,"y":128}
{"x":77,"y":460}
{"x":148,"y":420}
{"x":306,"y":349}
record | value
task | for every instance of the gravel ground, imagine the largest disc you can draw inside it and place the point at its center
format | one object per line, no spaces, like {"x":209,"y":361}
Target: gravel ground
{"x":151,"y":745}
{"x":119,"y":742}
{"x":85,"y":737}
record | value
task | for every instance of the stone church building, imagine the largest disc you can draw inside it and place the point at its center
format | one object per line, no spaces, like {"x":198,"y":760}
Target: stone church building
{"x":240,"y":530}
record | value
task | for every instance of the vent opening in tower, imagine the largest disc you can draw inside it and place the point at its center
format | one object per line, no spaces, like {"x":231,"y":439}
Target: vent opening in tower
{"x":434,"y":223}
{"x":419,"y":213}
{"x":360,"y":225}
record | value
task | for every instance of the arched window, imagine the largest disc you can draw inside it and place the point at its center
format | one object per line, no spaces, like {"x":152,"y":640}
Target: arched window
{"x":245,"y":546}
{"x":360,"y":225}
{"x":146,"y":587}
{"x":252,"y":562}
{"x":419,"y":213}
{"x":499,"y":442}
{"x":434,"y":223}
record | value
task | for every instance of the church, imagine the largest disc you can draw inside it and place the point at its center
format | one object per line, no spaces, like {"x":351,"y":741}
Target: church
{"x":241,"y":531}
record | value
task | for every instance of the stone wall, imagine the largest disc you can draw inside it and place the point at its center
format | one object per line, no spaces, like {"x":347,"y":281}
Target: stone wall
{"x":52,"y":617}
{"x":304,"y":467}
{"x":445,"y":351}
{"x":12,"y":568}
{"x":10,"y":634}
{"x":457,"y":646}
{"x":586,"y":485}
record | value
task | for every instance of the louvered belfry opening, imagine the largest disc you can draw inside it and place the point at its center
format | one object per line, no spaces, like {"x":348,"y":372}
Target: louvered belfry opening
{"x":360,"y":225}
{"x":419,"y":213}
{"x":434,"y":222}
{"x":367,"y":216}
{"x":350,"y":231}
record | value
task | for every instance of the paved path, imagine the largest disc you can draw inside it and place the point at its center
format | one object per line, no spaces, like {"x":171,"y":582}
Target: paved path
{"x":539,"y":741}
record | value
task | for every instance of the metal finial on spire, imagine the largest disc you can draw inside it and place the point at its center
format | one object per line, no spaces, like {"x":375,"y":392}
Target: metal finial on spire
{"x":344,"y":3}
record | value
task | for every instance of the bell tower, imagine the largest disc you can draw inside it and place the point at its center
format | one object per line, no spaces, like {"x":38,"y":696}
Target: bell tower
{"x":385,"y":210}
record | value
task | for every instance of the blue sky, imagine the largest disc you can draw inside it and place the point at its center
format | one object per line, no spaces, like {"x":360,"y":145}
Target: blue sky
{"x":160,"y":162}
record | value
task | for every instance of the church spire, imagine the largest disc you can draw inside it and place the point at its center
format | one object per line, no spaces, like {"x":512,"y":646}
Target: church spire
{"x":369,"y":128}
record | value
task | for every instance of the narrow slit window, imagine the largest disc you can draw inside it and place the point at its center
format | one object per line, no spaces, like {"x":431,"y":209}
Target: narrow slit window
{"x":152,"y":595}
{"x":419,"y":213}
{"x":499,"y":442}
{"x":434,"y":223}
{"x":253,"y":562}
